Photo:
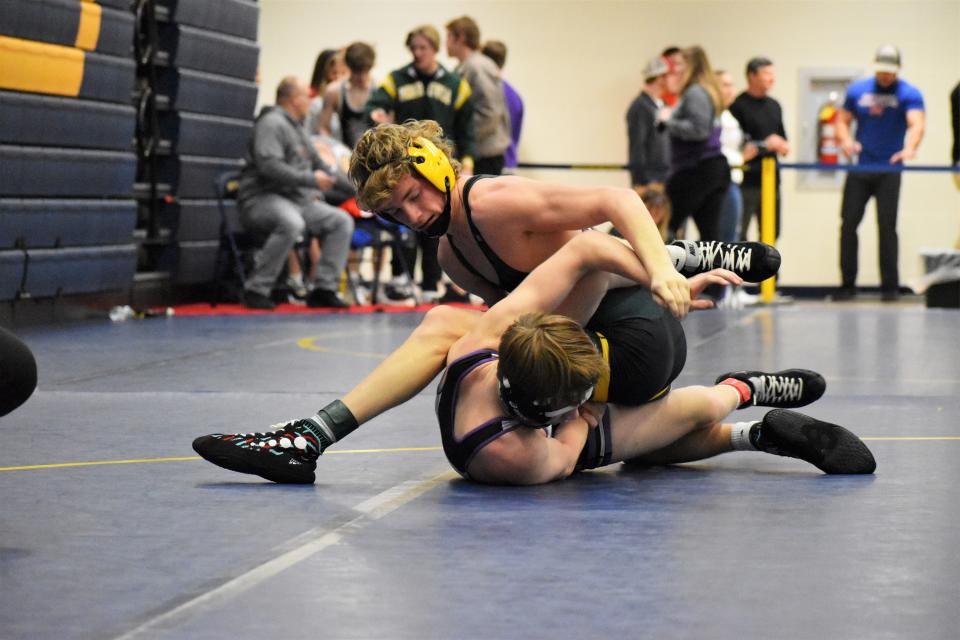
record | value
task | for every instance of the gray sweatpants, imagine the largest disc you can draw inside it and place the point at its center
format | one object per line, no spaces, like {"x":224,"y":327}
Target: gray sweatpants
{"x":285,"y":222}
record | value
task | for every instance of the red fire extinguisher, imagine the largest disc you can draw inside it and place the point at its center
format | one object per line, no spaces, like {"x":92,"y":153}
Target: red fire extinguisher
{"x":828,"y":145}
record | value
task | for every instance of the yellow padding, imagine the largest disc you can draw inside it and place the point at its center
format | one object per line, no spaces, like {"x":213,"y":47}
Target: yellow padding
{"x":88,"y":31}
{"x":602,"y":390}
{"x":39,"y":67}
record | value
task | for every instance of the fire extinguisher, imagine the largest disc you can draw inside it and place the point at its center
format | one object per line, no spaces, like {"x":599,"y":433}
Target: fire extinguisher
{"x":828,"y":145}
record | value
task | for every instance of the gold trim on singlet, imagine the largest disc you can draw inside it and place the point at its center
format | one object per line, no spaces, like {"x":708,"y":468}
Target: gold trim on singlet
{"x":602,"y":389}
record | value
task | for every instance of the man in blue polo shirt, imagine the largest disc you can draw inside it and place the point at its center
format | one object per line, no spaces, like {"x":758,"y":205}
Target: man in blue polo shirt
{"x":890,"y":123}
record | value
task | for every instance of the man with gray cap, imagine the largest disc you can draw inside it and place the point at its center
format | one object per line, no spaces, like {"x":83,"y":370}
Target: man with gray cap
{"x":890,"y":122}
{"x":649,"y":149}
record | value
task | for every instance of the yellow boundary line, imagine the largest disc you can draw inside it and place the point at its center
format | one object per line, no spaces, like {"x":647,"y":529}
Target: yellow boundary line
{"x":62,"y":465}
{"x":185,"y":458}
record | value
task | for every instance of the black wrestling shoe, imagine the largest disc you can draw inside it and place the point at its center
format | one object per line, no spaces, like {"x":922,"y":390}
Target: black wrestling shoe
{"x":828,"y":447}
{"x":286,"y":455}
{"x":785,"y":389}
{"x":752,"y":261}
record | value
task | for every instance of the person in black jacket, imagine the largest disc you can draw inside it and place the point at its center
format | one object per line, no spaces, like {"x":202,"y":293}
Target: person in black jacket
{"x":761,"y":119}
{"x":649,"y":148}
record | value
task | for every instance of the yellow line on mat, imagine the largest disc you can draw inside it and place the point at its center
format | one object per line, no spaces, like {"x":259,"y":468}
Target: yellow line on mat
{"x":913,"y":438}
{"x":102,"y":462}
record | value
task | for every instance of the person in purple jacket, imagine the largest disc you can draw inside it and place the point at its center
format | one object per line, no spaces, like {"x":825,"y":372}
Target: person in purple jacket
{"x":699,"y":173}
{"x":890,"y":122}
{"x":497,"y":51}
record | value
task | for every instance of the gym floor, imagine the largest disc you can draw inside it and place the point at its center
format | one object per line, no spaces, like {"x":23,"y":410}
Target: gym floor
{"x":111,"y":527}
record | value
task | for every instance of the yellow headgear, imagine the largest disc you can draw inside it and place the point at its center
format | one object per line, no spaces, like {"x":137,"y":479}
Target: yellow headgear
{"x":432,"y":163}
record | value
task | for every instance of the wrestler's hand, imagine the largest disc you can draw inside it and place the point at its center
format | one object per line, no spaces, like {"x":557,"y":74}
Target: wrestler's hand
{"x":592,"y":413}
{"x":701,"y":281}
{"x":671,"y":291}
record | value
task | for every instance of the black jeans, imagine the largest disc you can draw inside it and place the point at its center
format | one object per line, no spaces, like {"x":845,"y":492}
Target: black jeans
{"x":857,"y":190}
{"x":491,"y":166}
{"x":751,"y":210}
{"x":699,"y":192}
{"x":429,"y":264}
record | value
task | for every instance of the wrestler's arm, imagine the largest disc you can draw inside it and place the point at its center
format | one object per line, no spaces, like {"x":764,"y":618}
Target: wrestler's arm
{"x":548,"y":207}
{"x":547,"y":286}
{"x":527,"y":456}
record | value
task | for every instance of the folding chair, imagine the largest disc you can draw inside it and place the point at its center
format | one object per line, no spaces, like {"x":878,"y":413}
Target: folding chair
{"x":234,"y":241}
{"x":377,"y":234}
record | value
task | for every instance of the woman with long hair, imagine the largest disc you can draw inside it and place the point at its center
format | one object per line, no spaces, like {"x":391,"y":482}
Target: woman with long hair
{"x":699,"y":173}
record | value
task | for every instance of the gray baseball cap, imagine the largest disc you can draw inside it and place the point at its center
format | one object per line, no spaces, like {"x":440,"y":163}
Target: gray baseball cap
{"x":655,"y":68}
{"x":886,"y":59}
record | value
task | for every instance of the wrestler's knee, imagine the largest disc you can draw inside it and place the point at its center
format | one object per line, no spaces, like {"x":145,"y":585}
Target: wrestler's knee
{"x":706,"y":406}
{"x":447,"y":321}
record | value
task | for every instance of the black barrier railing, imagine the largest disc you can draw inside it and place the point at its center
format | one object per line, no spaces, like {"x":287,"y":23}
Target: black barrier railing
{"x":855,"y":168}
{"x":769,"y":167}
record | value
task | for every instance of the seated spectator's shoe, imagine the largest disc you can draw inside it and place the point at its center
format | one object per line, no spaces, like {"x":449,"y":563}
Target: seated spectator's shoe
{"x":785,"y":389}
{"x":844,"y":294}
{"x":430,"y":296}
{"x":286,"y":455}
{"x":296,"y":287}
{"x":889,"y":295}
{"x":325,"y":298}
{"x":752,"y":261}
{"x":399,"y":288}
{"x":254,"y":300}
{"x":829,"y":447}
{"x":450,"y":295}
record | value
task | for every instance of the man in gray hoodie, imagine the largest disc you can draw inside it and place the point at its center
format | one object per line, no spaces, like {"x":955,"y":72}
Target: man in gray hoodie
{"x":281,"y":196}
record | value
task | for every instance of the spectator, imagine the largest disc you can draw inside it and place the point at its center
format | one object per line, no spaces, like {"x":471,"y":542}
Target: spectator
{"x":737,"y":151}
{"x":497,"y":51}
{"x":677,"y":68}
{"x":648,"y":146}
{"x":425,"y":90}
{"x":328,"y":68}
{"x":699,"y":174}
{"x":887,"y":110}
{"x":761,"y":119}
{"x":341,"y":96}
{"x":280,"y":197}
{"x":491,"y":122}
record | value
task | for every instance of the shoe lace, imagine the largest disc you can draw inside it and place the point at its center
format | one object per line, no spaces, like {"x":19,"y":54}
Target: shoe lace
{"x":772,"y":388}
{"x":291,"y":434}
{"x":732,"y":257}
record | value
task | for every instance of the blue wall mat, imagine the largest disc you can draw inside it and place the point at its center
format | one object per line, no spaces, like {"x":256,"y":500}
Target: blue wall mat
{"x":193,"y":176}
{"x":57,"y":22}
{"x":108,"y":78}
{"x":79,"y":270}
{"x":50,"y":223}
{"x":202,"y":135}
{"x":40,"y":172}
{"x":207,"y":93}
{"x":236,"y":17}
{"x":27,"y":118}
{"x":191,"y":48}
{"x":12,"y":263}
{"x":194,"y":219}
{"x":196,"y":262}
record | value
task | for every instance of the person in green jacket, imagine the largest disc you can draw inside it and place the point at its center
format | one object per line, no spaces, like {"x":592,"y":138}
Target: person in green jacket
{"x":425,"y":90}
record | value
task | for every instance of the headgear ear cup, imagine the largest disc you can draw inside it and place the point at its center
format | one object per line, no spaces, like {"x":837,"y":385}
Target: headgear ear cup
{"x":432,"y":163}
